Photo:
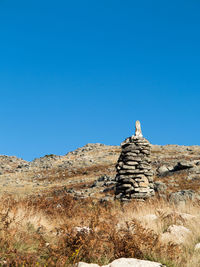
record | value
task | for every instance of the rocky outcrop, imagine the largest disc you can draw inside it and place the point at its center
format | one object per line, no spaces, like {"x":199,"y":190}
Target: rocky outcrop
{"x":134,"y":173}
{"x":11,"y":164}
{"x":183,"y":196}
{"x":105,"y":183}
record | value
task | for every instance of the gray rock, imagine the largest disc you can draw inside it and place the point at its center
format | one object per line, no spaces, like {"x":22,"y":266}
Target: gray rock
{"x":144,"y":167}
{"x":131,"y":154}
{"x":162,"y":169}
{"x":103,"y":181}
{"x":123,"y":186}
{"x":129,"y":148}
{"x":130,"y":262}
{"x":147,"y":152}
{"x":149,"y":173}
{"x":160,"y":187}
{"x":120,"y":163}
{"x":131,"y":171}
{"x":182,"y":165}
{"x":129,"y":176}
{"x":128,"y":167}
{"x":132,"y":158}
{"x":118,"y":195}
{"x":140,"y":195}
{"x":141,"y":190}
{"x":129,"y":181}
{"x":132,"y":163}
{"x":150,"y":178}
{"x":170,"y":168}
{"x":182,"y":195}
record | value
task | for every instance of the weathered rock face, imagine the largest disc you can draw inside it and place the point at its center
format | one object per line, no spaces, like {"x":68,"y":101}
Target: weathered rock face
{"x":134,"y":173}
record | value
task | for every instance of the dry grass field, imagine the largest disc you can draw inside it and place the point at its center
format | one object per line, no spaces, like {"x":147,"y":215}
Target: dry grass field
{"x":53,"y":230}
{"x":42,"y":224}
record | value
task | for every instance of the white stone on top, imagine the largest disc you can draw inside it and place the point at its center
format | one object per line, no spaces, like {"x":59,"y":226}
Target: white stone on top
{"x":138,"y":131}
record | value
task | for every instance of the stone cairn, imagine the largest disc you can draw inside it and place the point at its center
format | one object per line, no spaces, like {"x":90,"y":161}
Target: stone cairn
{"x":134,"y":173}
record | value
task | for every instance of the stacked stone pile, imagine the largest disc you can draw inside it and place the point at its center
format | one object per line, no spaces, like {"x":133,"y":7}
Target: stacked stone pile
{"x":134,"y":173}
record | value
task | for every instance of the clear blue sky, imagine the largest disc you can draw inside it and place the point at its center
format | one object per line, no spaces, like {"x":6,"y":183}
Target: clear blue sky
{"x":77,"y":72}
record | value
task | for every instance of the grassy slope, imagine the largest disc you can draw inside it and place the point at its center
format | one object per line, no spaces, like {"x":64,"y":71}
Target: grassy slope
{"x":39,"y":227}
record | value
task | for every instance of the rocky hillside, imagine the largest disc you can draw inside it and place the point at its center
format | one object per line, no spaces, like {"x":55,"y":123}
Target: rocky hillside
{"x":63,"y":215}
{"x":90,"y":171}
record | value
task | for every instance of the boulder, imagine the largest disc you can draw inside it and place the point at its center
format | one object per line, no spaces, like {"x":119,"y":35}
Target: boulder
{"x":182,"y":165}
{"x":162,"y":170}
{"x":182,"y":196}
{"x":176,"y":233}
{"x":124,"y":262}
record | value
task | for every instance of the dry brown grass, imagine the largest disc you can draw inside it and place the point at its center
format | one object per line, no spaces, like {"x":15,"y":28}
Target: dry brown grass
{"x":59,"y":175}
{"x":41,"y":230}
{"x":178,"y":180}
